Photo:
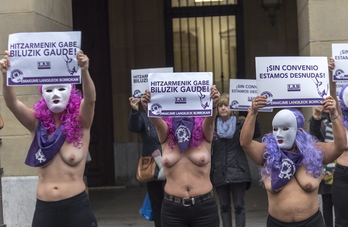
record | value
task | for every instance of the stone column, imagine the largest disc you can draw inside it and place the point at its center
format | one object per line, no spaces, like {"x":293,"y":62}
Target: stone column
{"x":321,"y":23}
{"x":18,"y":180}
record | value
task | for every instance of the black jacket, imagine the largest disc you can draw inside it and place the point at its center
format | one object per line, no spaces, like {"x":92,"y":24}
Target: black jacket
{"x":229,"y":162}
{"x":138,"y":122}
{"x":317,"y":128}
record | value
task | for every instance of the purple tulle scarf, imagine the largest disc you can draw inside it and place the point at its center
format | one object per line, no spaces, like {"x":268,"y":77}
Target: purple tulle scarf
{"x":43,"y":149}
{"x":289,"y":163}
{"x":183,"y":131}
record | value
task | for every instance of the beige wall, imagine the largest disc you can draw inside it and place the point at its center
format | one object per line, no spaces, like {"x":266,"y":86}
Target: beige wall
{"x":25,"y":16}
{"x":263,"y":39}
{"x":321,"y":23}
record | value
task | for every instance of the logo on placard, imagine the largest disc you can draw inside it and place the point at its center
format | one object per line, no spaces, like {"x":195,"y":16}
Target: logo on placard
{"x":43,"y":65}
{"x":205,"y":100}
{"x":339,"y":74}
{"x":156,"y":109}
{"x":294,"y":87}
{"x":71,"y":65}
{"x":137,"y":94}
{"x":234,"y":104}
{"x":268,"y":96}
{"x":180,"y":100}
{"x":17,"y":76}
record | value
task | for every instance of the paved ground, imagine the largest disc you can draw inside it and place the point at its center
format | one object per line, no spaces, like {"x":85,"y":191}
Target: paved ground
{"x":119,"y":206}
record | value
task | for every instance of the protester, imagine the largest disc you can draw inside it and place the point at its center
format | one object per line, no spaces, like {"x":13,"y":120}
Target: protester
{"x":188,"y":199}
{"x":138,"y":122}
{"x":291,"y":163}
{"x":230,"y":173}
{"x":340,"y":181}
{"x":60,"y":124}
{"x":320,"y":126}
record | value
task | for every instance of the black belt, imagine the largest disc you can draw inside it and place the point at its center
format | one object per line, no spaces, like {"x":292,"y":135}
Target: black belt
{"x":189,"y":201}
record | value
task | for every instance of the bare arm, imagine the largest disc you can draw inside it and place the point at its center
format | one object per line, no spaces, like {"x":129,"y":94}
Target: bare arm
{"x":1,"y":122}
{"x":89,"y":93}
{"x":332,"y":150}
{"x":208,"y":123}
{"x":24,"y":114}
{"x":253,"y":148}
{"x":159,"y":123}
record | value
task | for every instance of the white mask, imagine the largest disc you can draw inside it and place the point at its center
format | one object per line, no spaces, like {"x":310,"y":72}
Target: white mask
{"x":345,"y":97}
{"x":56,"y":96}
{"x":285,"y":129}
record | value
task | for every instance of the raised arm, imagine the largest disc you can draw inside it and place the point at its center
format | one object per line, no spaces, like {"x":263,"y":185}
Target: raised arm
{"x":315,"y":123}
{"x":135,"y":121}
{"x":332,"y":150}
{"x":24,"y":114}
{"x":159,"y":123}
{"x":88,"y":89}
{"x":1,"y":122}
{"x":208,"y":123}
{"x":253,"y":148}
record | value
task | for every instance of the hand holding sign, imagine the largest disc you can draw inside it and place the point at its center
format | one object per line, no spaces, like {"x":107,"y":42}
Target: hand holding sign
{"x":257,"y":103}
{"x":5,"y":63}
{"x":214,"y":95}
{"x":82,"y":60}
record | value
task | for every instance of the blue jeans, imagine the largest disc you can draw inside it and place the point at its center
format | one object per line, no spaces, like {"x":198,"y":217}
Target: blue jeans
{"x":238,"y":192}
{"x":203,"y":214}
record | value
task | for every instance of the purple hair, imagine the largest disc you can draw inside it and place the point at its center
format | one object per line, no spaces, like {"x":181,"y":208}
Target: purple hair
{"x":344,"y":108}
{"x":70,"y":125}
{"x":197,"y":132}
{"x":305,"y":144}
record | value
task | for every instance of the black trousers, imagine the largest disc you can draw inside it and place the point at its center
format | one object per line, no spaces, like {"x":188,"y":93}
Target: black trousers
{"x":315,"y":221}
{"x":328,"y":209}
{"x":72,"y":212}
{"x":156,"y":194}
{"x":339,"y":195}
{"x":232,"y":192}
{"x":203,"y":214}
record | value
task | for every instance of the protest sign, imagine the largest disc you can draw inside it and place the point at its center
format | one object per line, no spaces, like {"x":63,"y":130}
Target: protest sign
{"x":140,"y":79}
{"x":44,"y":58}
{"x":180,"y":94}
{"x":292,"y":81}
{"x":242,"y":92}
{"x":339,"y":86}
{"x":340,"y":54}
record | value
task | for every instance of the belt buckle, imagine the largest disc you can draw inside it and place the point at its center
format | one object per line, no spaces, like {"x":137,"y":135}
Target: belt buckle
{"x":188,"y":202}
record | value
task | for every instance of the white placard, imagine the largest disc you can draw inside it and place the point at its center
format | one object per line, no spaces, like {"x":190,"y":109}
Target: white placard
{"x":340,"y":54}
{"x":44,"y":58}
{"x":180,"y":94}
{"x":339,"y":86}
{"x":139,"y":79}
{"x":292,"y":81}
{"x":242,"y":92}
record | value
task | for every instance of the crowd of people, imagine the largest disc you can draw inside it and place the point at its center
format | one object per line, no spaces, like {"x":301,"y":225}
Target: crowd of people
{"x":295,"y":165}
